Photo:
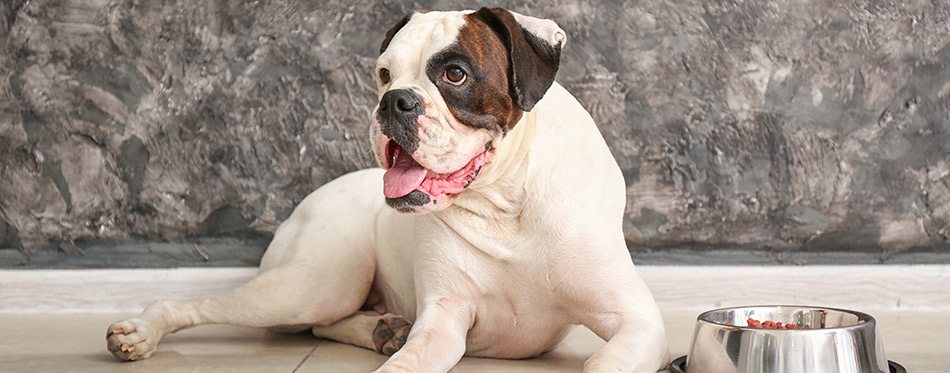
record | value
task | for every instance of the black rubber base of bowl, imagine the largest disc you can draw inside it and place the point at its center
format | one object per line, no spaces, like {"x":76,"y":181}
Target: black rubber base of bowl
{"x":679,"y":366}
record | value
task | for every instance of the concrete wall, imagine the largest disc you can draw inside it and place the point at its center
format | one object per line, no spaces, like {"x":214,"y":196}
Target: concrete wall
{"x":148,"y":133}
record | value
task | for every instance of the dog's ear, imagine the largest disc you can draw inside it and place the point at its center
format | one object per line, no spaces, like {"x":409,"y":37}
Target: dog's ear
{"x":392,"y":32}
{"x":534,"y":52}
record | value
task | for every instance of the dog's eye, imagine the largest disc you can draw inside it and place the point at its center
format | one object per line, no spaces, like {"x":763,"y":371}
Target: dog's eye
{"x":384,"y":76}
{"x":454,"y":75}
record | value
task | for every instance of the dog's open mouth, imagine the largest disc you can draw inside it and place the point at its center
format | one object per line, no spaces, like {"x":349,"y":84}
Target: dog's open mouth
{"x":405,"y":175}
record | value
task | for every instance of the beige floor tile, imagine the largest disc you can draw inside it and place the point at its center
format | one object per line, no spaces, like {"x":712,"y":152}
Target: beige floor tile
{"x":920,"y":341}
{"x":76,"y":343}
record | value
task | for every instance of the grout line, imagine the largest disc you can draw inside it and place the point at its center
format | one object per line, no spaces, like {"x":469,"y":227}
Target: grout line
{"x":306,"y":357}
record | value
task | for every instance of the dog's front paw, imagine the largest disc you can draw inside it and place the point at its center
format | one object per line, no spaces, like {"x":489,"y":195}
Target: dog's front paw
{"x":132,"y":339}
{"x":390,"y":333}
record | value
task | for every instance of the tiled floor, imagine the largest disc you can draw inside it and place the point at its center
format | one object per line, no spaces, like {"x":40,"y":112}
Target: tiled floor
{"x":76,"y":343}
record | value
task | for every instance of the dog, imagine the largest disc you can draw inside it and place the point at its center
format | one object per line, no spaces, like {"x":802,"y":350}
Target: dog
{"x":491,"y":228}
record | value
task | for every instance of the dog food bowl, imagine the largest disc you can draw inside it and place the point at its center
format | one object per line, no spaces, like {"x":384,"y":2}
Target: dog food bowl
{"x":838,"y":341}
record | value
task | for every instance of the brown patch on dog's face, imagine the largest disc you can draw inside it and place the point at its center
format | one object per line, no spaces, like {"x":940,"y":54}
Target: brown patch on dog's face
{"x":484,"y":98}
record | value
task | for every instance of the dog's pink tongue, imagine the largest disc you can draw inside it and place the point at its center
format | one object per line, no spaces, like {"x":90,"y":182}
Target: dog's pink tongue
{"x":403,"y":177}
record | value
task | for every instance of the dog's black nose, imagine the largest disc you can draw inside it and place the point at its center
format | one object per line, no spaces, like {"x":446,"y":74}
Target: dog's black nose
{"x":397,"y":114}
{"x":401,"y":101}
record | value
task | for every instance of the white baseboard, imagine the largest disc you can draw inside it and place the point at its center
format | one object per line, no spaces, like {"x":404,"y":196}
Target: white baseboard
{"x":111,"y":290}
{"x":863,"y":287}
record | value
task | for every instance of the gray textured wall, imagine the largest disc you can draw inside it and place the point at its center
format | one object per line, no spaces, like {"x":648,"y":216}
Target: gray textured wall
{"x":141,"y":133}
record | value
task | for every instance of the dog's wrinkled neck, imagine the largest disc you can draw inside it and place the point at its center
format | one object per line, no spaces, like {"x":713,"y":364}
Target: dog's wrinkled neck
{"x":495,"y":200}
{"x":510,"y":155}
{"x":501,"y":181}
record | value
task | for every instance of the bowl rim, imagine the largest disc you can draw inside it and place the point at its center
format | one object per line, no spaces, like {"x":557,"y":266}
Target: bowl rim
{"x":678,"y":365}
{"x":866,"y":317}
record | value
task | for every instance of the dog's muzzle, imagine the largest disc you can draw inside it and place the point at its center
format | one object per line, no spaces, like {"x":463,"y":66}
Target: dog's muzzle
{"x":397,"y":115}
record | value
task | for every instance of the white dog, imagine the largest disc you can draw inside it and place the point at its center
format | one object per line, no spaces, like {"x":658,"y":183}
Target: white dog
{"x":503,"y":225}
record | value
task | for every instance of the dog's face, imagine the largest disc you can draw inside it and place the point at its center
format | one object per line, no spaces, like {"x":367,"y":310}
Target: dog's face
{"x":451,"y":84}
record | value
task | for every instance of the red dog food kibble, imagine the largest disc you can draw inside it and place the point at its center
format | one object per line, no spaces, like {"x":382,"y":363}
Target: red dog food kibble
{"x":753,"y":323}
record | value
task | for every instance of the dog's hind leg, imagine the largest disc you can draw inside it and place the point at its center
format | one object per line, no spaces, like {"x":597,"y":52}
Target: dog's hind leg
{"x":318,"y":269}
{"x":273,"y":298}
{"x":383,"y":333}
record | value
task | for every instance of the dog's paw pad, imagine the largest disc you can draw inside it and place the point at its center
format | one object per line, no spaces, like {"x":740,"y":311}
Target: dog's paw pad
{"x":132,"y":339}
{"x":390,"y":333}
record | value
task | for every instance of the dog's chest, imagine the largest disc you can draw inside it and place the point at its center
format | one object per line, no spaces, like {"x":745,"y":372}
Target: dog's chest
{"x":518,"y":314}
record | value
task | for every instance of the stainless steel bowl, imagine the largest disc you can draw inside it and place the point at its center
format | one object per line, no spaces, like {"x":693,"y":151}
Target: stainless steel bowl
{"x":839,"y":341}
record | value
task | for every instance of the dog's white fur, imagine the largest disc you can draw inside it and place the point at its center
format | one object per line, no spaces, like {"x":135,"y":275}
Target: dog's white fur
{"x":533,"y":246}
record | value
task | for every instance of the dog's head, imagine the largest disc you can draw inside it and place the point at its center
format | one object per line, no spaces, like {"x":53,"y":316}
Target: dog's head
{"x":451,"y":84}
